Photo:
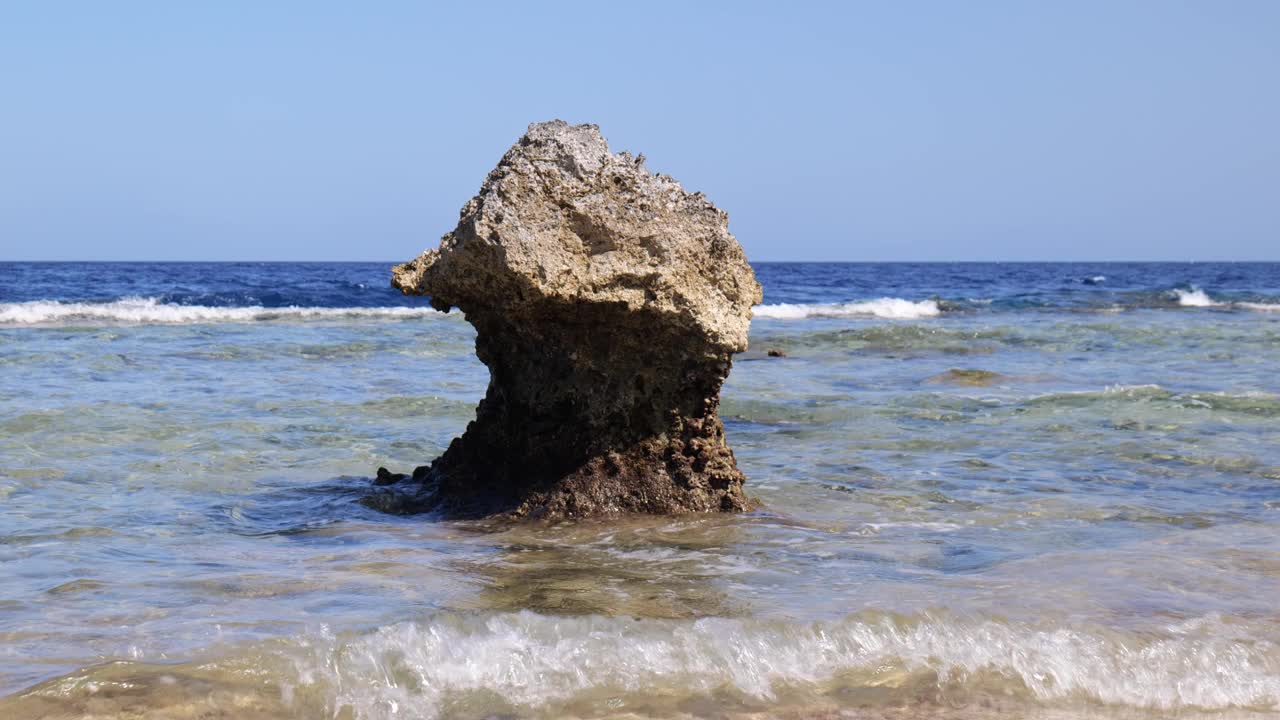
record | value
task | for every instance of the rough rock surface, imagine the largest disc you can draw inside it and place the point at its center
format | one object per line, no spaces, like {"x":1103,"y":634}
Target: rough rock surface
{"x":607,"y":303}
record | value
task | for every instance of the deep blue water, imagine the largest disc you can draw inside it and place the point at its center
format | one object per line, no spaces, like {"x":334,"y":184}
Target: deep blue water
{"x":967,"y":286}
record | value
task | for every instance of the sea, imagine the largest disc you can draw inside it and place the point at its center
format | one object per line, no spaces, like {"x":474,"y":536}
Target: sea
{"x":987,"y":490}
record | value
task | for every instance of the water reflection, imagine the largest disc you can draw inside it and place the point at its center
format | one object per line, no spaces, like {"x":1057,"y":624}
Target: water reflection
{"x":641,"y":567}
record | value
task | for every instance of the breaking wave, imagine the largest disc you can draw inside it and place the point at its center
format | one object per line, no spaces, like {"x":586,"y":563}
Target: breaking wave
{"x":146,"y":310}
{"x":525,"y":664}
{"x":891,"y":308}
{"x":887,"y":308}
{"x":1194,"y":297}
{"x":151,"y":310}
{"x":1260,"y":307}
{"x":534,"y":660}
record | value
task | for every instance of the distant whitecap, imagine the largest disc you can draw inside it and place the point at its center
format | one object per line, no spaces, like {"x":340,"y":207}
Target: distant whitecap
{"x":887,"y":308}
{"x":143,"y":310}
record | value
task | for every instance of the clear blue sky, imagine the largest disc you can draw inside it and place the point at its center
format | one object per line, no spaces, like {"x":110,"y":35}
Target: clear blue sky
{"x":829,"y":131}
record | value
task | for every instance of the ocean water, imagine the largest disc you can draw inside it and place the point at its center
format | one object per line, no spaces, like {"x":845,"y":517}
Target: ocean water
{"x":1013,"y":490}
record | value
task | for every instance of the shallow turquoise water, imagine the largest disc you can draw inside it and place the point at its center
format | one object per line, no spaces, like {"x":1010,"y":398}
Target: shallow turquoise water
{"x":1067,"y":510}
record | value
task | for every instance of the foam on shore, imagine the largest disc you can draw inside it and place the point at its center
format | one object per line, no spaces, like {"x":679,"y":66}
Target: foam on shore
{"x":534,"y":660}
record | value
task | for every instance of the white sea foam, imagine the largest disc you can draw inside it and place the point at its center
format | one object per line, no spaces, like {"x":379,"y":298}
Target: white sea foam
{"x":141,"y":310}
{"x":1122,"y":389}
{"x":530,"y":660}
{"x":1195,"y":297}
{"x":1260,"y":307}
{"x":887,"y":308}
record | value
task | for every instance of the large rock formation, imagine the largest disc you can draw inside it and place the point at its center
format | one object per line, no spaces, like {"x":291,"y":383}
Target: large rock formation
{"x":607,"y":302}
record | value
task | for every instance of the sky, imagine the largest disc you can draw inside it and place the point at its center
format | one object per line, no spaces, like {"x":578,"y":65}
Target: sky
{"x":863,"y":131}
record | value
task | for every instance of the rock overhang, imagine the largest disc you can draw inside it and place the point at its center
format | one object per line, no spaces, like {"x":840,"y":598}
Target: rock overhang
{"x":607,"y":302}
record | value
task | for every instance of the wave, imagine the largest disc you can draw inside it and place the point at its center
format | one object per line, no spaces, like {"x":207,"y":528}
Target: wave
{"x":887,"y":308}
{"x":146,"y":310}
{"x":891,"y":308}
{"x":1260,"y":404}
{"x":1194,"y":297}
{"x":151,"y":310}
{"x":1260,"y":307}
{"x":527,"y":664}
{"x":523,"y":663}
{"x":534,"y":660}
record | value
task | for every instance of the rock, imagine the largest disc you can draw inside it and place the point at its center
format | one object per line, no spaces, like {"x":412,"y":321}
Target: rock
{"x":386,"y":477}
{"x":776,"y":352}
{"x":607,"y":303}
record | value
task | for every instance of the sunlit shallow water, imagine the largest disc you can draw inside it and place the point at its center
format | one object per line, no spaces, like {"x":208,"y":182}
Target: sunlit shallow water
{"x":989,"y":490}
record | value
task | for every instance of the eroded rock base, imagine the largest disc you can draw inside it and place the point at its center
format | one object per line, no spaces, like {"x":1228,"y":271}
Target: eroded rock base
{"x":690,"y":469}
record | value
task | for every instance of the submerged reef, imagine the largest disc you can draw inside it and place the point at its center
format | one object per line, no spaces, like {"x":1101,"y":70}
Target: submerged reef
{"x":607,"y":302}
